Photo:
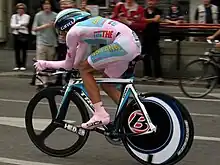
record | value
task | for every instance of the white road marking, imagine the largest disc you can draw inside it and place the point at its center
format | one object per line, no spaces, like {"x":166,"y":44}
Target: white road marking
{"x":40,"y":124}
{"x":22,"y":162}
{"x":107,"y":107}
{"x":204,"y":115}
{"x":217,"y":95}
{"x":204,"y":138}
{"x":182,"y":98}
{"x":198,"y":99}
{"x":13,"y":100}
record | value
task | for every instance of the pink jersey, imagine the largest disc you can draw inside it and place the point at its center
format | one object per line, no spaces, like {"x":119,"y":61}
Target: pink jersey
{"x":123,"y":44}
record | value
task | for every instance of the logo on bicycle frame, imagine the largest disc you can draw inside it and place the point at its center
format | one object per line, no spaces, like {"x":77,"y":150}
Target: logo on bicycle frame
{"x":137,"y":122}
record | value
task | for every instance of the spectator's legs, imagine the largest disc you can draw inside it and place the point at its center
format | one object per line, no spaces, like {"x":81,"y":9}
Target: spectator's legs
{"x":41,"y":54}
{"x":152,"y":49}
{"x":33,"y":78}
{"x":17,"y":53}
{"x":146,"y":50}
{"x":147,"y":66}
{"x":51,"y":53}
{"x":61,"y":55}
{"x":24,"y":57}
{"x":51,"y":56}
{"x":156,"y":58}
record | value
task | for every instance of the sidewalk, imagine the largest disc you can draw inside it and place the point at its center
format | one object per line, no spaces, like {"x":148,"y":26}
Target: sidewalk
{"x":7,"y":64}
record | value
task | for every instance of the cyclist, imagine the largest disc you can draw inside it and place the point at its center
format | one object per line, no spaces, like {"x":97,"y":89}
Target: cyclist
{"x":122,"y":46}
{"x":214,"y":36}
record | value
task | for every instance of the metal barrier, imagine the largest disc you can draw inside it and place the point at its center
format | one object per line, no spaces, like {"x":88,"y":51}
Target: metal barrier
{"x":186,"y":30}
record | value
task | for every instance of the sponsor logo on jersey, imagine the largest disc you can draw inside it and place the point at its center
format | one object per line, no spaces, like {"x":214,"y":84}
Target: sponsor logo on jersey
{"x":103,"y":34}
{"x":107,"y":48}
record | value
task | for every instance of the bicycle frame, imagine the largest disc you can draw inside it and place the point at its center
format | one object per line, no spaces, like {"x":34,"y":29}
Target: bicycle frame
{"x":127,"y":90}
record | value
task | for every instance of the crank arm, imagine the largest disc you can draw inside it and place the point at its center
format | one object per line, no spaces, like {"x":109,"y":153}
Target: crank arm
{"x":71,"y":128}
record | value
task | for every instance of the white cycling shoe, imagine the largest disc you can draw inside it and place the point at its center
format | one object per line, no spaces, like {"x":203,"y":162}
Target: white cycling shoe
{"x":96,"y":121}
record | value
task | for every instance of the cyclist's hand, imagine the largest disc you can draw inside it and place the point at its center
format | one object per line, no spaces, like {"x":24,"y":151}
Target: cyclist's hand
{"x":210,"y":38}
{"x":40,"y":65}
{"x":217,"y":45}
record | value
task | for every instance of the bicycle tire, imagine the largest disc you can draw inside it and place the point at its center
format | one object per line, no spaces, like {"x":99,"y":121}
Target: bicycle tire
{"x":54,"y":91}
{"x":211,"y":87}
{"x":186,"y":116}
{"x":175,"y":157}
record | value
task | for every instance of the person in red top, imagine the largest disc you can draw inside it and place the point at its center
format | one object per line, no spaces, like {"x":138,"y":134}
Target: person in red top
{"x":131,"y":14}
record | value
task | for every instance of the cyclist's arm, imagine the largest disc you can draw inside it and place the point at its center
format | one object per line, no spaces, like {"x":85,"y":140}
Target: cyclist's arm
{"x":216,"y":34}
{"x":139,"y":24}
{"x":80,"y":53}
{"x":155,"y":19}
{"x":71,"y":41}
{"x":13,"y":23}
{"x":36,"y":27}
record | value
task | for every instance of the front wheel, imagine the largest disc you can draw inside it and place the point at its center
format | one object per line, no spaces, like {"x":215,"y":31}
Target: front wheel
{"x":198,"y":78}
{"x":41,"y":136}
{"x":174,"y":135}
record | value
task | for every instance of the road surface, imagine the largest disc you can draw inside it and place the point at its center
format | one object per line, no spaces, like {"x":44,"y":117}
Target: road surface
{"x":16,"y":147}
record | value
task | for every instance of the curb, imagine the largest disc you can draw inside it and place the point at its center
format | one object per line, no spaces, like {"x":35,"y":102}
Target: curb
{"x":17,"y":74}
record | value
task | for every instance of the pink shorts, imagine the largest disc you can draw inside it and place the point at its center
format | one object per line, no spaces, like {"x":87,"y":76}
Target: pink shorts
{"x":114,"y":58}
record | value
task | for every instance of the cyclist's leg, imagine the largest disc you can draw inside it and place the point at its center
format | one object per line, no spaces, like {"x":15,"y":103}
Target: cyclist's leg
{"x":111,"y":91}
{"x":102,"y":59}
{"x":92,"y":88}
{"x":114,"y":60}
{"x":117,"y":68}
{"x":100,"y":117}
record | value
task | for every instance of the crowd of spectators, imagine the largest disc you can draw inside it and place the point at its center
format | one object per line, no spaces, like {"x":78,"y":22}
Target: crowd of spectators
{"x":144,"y":21}
{"x":49,"y":44}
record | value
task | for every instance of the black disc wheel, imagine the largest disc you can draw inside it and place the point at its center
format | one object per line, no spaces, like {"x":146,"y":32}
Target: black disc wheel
{"x":53,"y":139}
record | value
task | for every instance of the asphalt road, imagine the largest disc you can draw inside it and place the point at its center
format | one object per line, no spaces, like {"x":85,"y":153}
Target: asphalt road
{"x":16,"y":148}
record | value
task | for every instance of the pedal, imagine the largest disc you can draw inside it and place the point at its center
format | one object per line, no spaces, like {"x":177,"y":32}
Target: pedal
{"x":114,"y":141}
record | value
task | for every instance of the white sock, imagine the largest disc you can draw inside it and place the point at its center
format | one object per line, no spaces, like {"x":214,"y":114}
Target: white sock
{"x":99,"y":108}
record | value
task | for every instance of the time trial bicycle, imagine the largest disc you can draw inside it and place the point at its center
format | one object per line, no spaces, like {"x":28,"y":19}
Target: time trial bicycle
{"x":155,"y":128}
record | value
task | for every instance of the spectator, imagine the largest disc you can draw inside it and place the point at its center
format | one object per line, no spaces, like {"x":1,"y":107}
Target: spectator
{"x":207,"y":13}
{"x":19,"y":24}
{"x":151,"y":35}
{"x":62,"y":49}
{"x":175,"y":15}
{"x":45,"y":35}
{"x":65,"y":4}
{"x":83,"y":6}
{"x":131,"y":14}
{"x":112,"y":3}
